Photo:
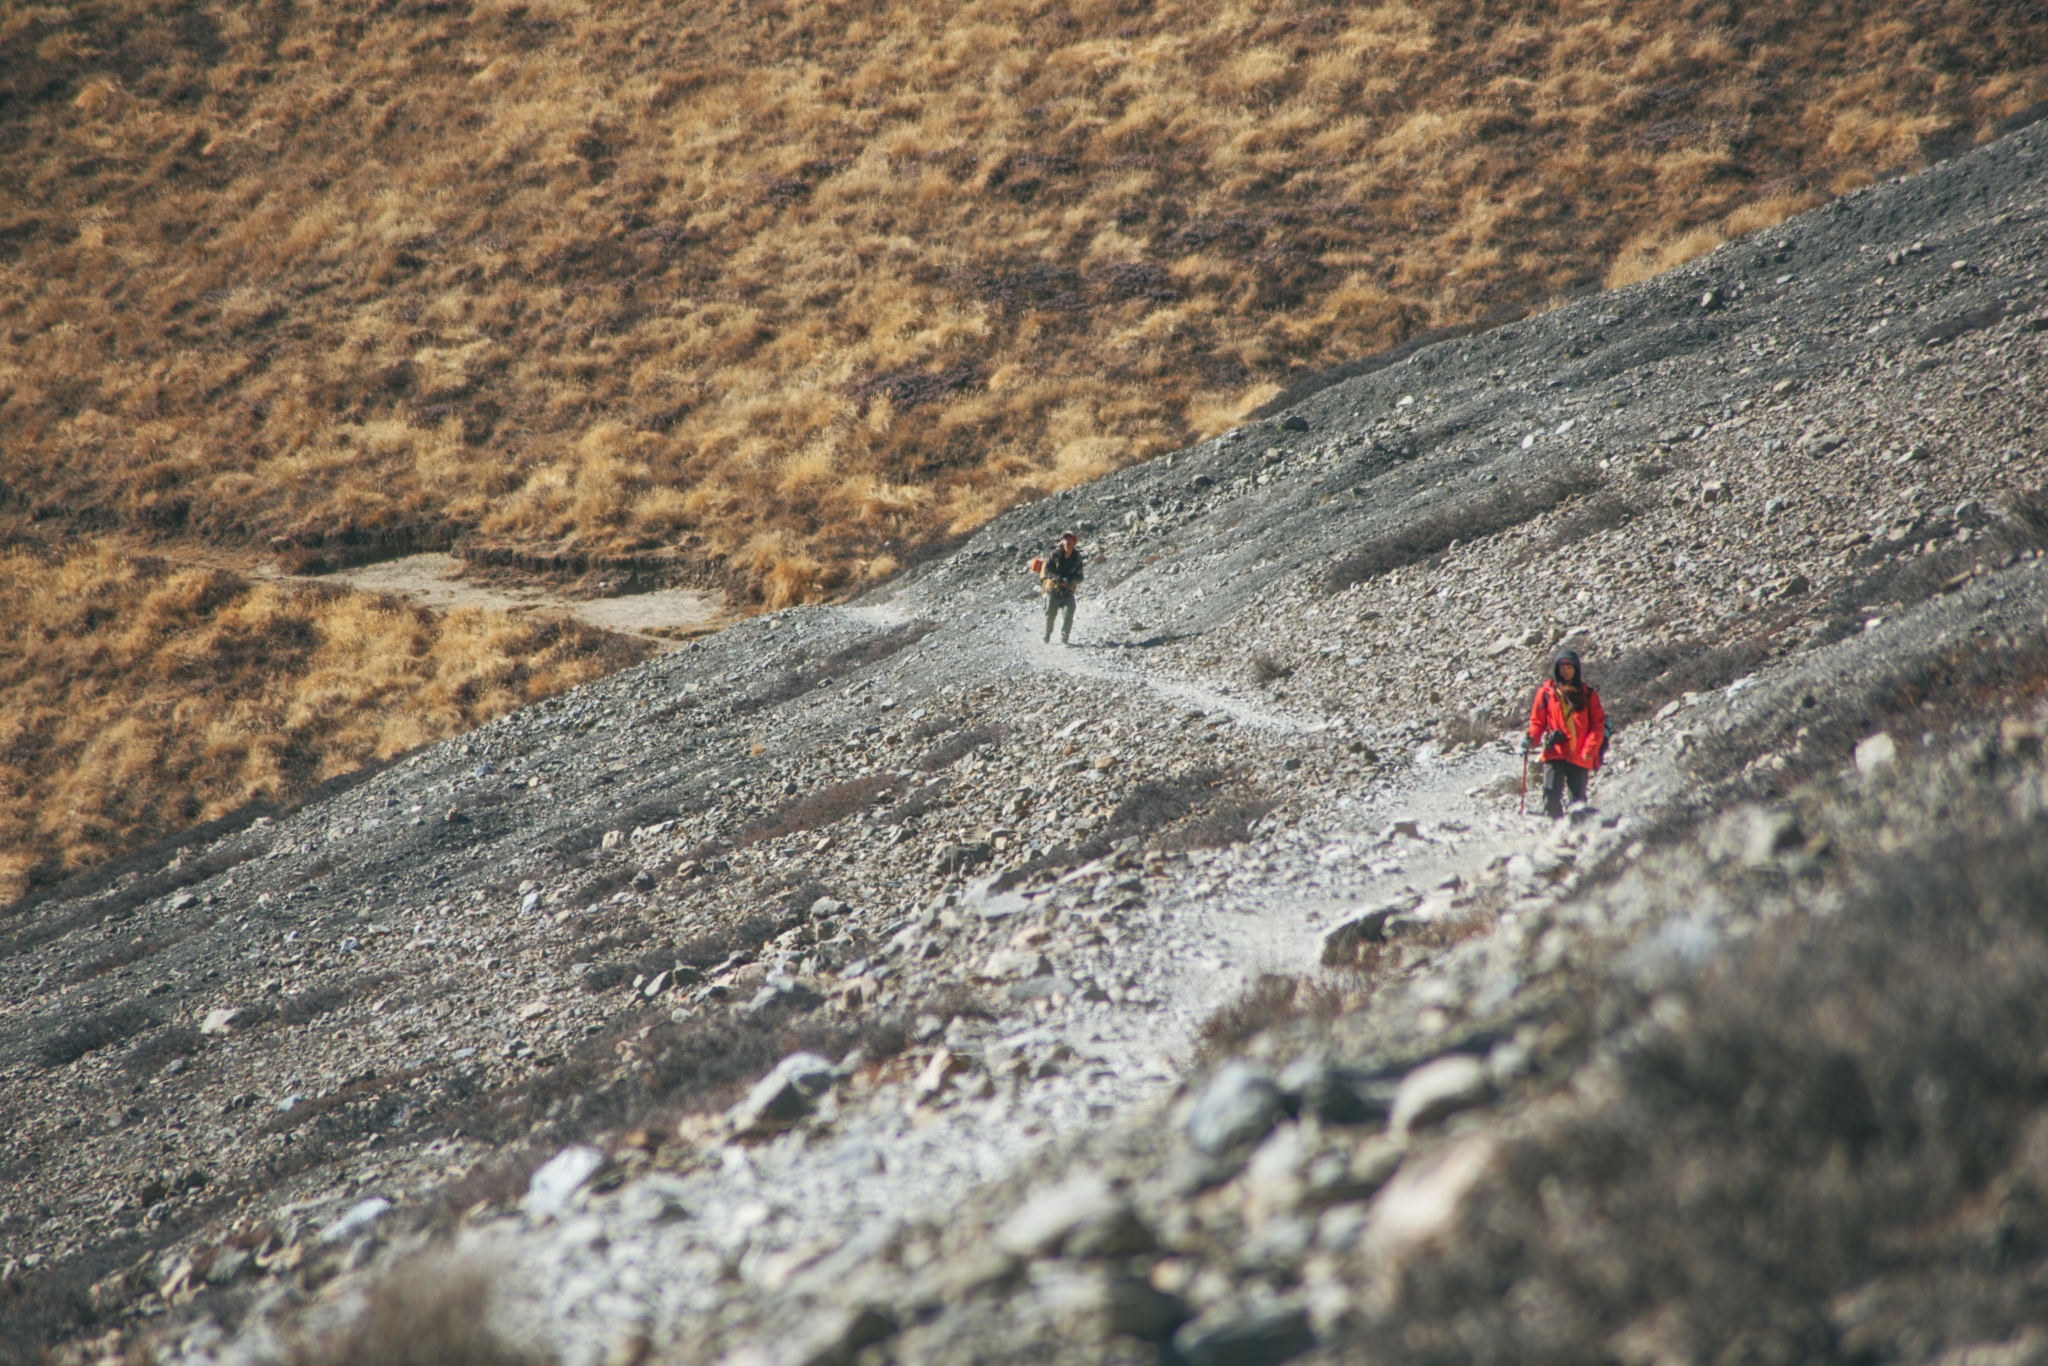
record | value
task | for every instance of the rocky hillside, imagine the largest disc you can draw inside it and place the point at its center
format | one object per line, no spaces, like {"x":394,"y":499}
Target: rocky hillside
{"x":877,"y":983}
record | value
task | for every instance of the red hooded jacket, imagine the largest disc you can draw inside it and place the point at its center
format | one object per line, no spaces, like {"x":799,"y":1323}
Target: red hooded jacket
{"x":1585,"y":731}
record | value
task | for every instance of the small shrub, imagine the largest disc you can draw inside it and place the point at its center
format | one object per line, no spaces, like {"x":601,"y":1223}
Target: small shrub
{"x":839,"y":664}
{"x":1266,"y":669}
{"x":956,"y":747}
{"x":421,"y":1314}
{"x":821,"y":808}
{"x":1586,"y":519}
{"x":132,"y":952}
{"x":1268,"y":1000}
{"x":1271,"y":999}
{"x":111,"y":1025}
{"x":154,"y":1052}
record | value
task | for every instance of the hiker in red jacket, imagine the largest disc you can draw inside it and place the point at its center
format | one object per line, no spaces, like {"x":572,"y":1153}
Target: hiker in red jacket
{"x":1569,"y":724}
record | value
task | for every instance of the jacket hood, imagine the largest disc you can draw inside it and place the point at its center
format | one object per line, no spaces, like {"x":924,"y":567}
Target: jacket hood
{"x":1570,"y":657}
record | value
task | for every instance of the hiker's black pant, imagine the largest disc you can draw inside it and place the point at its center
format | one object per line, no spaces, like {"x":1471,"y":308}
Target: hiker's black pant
{"x":1558,"y":777}
{"x":1059,"y":600}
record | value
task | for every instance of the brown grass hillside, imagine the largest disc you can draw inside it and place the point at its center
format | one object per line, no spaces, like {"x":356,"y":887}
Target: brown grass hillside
{"x":782,"y":288}
{"x":771,"y":294}
{"x":137,"y":698}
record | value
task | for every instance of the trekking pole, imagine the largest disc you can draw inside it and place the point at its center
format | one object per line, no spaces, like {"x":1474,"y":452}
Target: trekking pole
{"x":1522,"y":807}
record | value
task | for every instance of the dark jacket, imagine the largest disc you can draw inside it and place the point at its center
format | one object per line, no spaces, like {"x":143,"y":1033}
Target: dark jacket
{"x":1063,"y":568}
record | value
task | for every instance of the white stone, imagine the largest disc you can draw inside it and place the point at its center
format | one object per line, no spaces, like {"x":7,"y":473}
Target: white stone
{"x":550,"y":1187}
{"x":1042,"y":1223}
{"x":1876,"y":752}
{"x":359,"y":1217}
{"x":1437,"y":1090}
{"x":1421,"y":1205}
{"x":220,"y":1021}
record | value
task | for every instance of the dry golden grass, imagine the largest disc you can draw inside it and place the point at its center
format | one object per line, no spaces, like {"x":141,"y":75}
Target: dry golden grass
{"x":137,"y":699}
{"x":775,"y":291}
{"x":765,"y":293}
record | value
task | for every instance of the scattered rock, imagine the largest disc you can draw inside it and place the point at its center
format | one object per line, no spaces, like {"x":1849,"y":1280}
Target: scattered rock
{"x":222,"y":1020}
{"x":561,"y":1176}
{"x":785,"y":1095}
{"x":359,"y":1218}
{"x":1875,"y":753}
{"x":1437,"y":1090}
{"x":1258,"y":1339}
{"x":1079,"y":1217}
{"x":1239,"y":1105}
{"x":1092,"y":1302}
{"x":1422,"y":1205}
{"x":1004,"y":964}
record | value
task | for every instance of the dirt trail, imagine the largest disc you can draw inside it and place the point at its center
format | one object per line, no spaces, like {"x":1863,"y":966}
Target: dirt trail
{"x":434,"y":580}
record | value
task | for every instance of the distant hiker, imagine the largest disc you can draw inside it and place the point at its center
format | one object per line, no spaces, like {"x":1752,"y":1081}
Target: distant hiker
{"x":1570,"y":726}
{"x":1058,"y":573}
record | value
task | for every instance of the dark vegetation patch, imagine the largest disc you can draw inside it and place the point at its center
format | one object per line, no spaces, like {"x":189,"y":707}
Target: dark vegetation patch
{"x":1941,"y":694}
{"x":1841,"y":1154}
{"x":1585,"y":519}
{"x":155,"y":1051}
{"x":958,"y":746}
{"x":839,"y":664}
{"x":701,"y":951}
{"x":1269,"y":1000}
{"x":1901,"y":581}
{"x":1266,"y":669}
{"x":1635,"y":685}
{"x":95,"y":1030}
{"x":1467,"y":519}
{"x":122,"y":955}
{"x":1202,"y":808}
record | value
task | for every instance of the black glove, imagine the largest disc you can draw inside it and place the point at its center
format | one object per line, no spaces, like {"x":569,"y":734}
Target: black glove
{"x":1525,"y":745}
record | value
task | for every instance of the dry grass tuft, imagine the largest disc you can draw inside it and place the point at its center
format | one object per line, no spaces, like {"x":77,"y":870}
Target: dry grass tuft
{"x":432,"y":1314}
{"x":1275,"y":998}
